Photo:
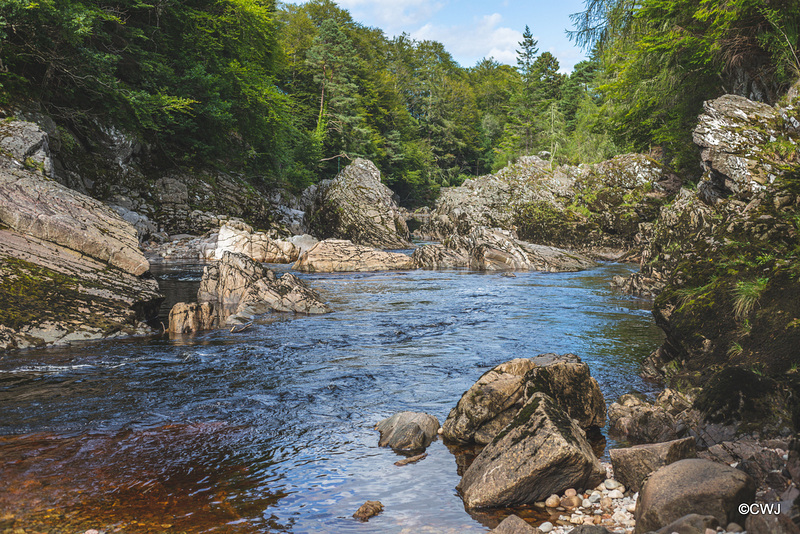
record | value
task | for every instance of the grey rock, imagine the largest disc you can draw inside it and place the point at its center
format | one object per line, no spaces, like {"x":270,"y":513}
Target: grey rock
{"x":590,"y":529}
{"x":541,"y":452}
{"x":338,"y":255}
{"x":239,"y":287}
{"x":437,"y":256}
{"x":692,"y":486}
{"x":356,"y":206}
{"x":408,"y":431}
{"x":513,"y":524}
{"x":26,"y":145}
{"x":770,"y":524}
{"x":691,"y":524}
{"x":632,"y":465}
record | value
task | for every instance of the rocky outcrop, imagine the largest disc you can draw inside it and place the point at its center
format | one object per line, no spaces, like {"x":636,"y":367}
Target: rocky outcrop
{"x":339,"y":255}
{"x":494,"y":249}
{"x":356,"y":206}
{"x":587,"y":207}
{"x":541,"y":452}
{"x":70,"y":267}
{"x":240,"y":288}
{"x":632,"y":465}
{"x":240,"y":238}
{"x":693,"y":486}
{"x":408,"y":431}
{"x":496,"y":398}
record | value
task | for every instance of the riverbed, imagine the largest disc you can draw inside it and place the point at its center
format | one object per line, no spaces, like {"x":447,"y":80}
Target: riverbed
{"x":271,"y":429}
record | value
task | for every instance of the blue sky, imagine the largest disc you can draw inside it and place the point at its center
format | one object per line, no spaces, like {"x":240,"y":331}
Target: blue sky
{"x":472,"y":29}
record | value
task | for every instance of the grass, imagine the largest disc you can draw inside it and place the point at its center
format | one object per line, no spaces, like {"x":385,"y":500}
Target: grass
{"x":746,"y":295}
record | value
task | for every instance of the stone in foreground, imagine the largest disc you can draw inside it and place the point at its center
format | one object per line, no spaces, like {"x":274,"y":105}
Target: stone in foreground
{"x":633,"y":464}
{"x":493,"y":401}
{"x":408,"y":431}
{"x":691,"y":524}
{"x":567,"y":379}
{"x":340,"y":255}
{"x":692,"y":486}
{"x":489,"y":405}
{"x":541,"y":452}
{"x":513,"y":524}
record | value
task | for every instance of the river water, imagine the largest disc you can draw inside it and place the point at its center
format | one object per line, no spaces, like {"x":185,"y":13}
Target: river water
{"x":271,"y":430}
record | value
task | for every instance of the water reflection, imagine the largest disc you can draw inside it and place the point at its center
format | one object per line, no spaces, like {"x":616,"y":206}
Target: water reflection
{"x":270,"y":430}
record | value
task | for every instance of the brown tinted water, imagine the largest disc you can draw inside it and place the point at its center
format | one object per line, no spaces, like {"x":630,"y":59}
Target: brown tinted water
{"x":271,"y":430}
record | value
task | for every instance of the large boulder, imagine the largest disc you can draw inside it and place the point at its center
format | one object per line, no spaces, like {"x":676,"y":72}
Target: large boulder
{"x":495,"y":399}
{"x":408,"y":431}
{"x":693,"y":486}
{"x":357,"y":206}
{"x":240,"y":288}
{"x":633,"y":464}
{"x":41,"y":208}
{"x":240,"y":238}
{"x":489,"y":404}
{"x":339,"y":255}
{"x":541,"y":452}
{"x":70,"y":267}
{"x":566,"y":379}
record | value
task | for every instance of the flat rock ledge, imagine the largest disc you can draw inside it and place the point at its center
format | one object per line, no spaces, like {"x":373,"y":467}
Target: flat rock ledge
{"x":341,"y":255}
{"x":541,"y":452}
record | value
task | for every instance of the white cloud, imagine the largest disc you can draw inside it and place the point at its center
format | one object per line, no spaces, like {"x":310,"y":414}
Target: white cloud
{"x":484,"y":37}
{"x":392,"y":15}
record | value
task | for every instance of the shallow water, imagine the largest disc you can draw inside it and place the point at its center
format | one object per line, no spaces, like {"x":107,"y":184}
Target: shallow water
{"x":270,"y":430}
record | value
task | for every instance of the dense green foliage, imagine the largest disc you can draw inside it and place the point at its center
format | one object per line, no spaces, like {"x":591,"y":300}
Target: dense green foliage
{"x":291,"y":93}
{"x":662,"y":58}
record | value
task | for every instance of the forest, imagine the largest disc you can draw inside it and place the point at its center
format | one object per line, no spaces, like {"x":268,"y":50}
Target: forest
{"x":287,"y":94}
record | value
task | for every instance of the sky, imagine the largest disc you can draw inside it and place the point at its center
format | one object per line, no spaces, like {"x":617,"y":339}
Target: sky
{"x":473,"y":29}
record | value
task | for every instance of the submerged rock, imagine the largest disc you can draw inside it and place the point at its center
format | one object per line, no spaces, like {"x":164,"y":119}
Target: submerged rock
{"x":541,"y":452}
{"x":356,"y":206}
{"x":513,"y":524}
{"x":408,"y":431}
{"x":338,"y":255}
{"x":367,"y":510}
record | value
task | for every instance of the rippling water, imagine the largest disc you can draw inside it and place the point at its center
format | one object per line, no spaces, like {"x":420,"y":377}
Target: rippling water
{"x":270,"y":430}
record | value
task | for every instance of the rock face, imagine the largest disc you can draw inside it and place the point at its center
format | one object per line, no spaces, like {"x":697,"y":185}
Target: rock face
{"x":495,"y":399}
{"x":693,"y":486}
{"x":632,"y":465}
{"x":575,"y":207}
{"x":356,"y":206}
{"x":338,"y":255}
{"x":240,"y":288}
{"x":240,"y":238}
{"x":70,"y":267}
{"x":639,"y":421}
{"x":438,"y":256}
{"x":541,"y":452}
{"x":408,"y":431}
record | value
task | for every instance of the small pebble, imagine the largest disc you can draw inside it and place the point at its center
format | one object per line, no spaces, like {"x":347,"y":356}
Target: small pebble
{"x":611,"y":484}
{"x":586,"y":503}
{"x":441,"y":431}
{"x":711,"y":531}
{"x":606,"y":502}
{"x":546,"y":527}
{"x":632,"y":508}
{"x":596,"y":496}
{"x":553,"y":501}
{"x":570,"y":493}
{"x":571,"y":502}
{"x":615,"y":494}
{"x":92,"y":531}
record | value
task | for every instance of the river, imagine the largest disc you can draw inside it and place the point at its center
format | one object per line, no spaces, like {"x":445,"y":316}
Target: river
{"x":271,"y":430}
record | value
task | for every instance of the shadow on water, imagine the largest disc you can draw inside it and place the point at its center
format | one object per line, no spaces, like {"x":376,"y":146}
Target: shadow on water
{"x":271,"y":430}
